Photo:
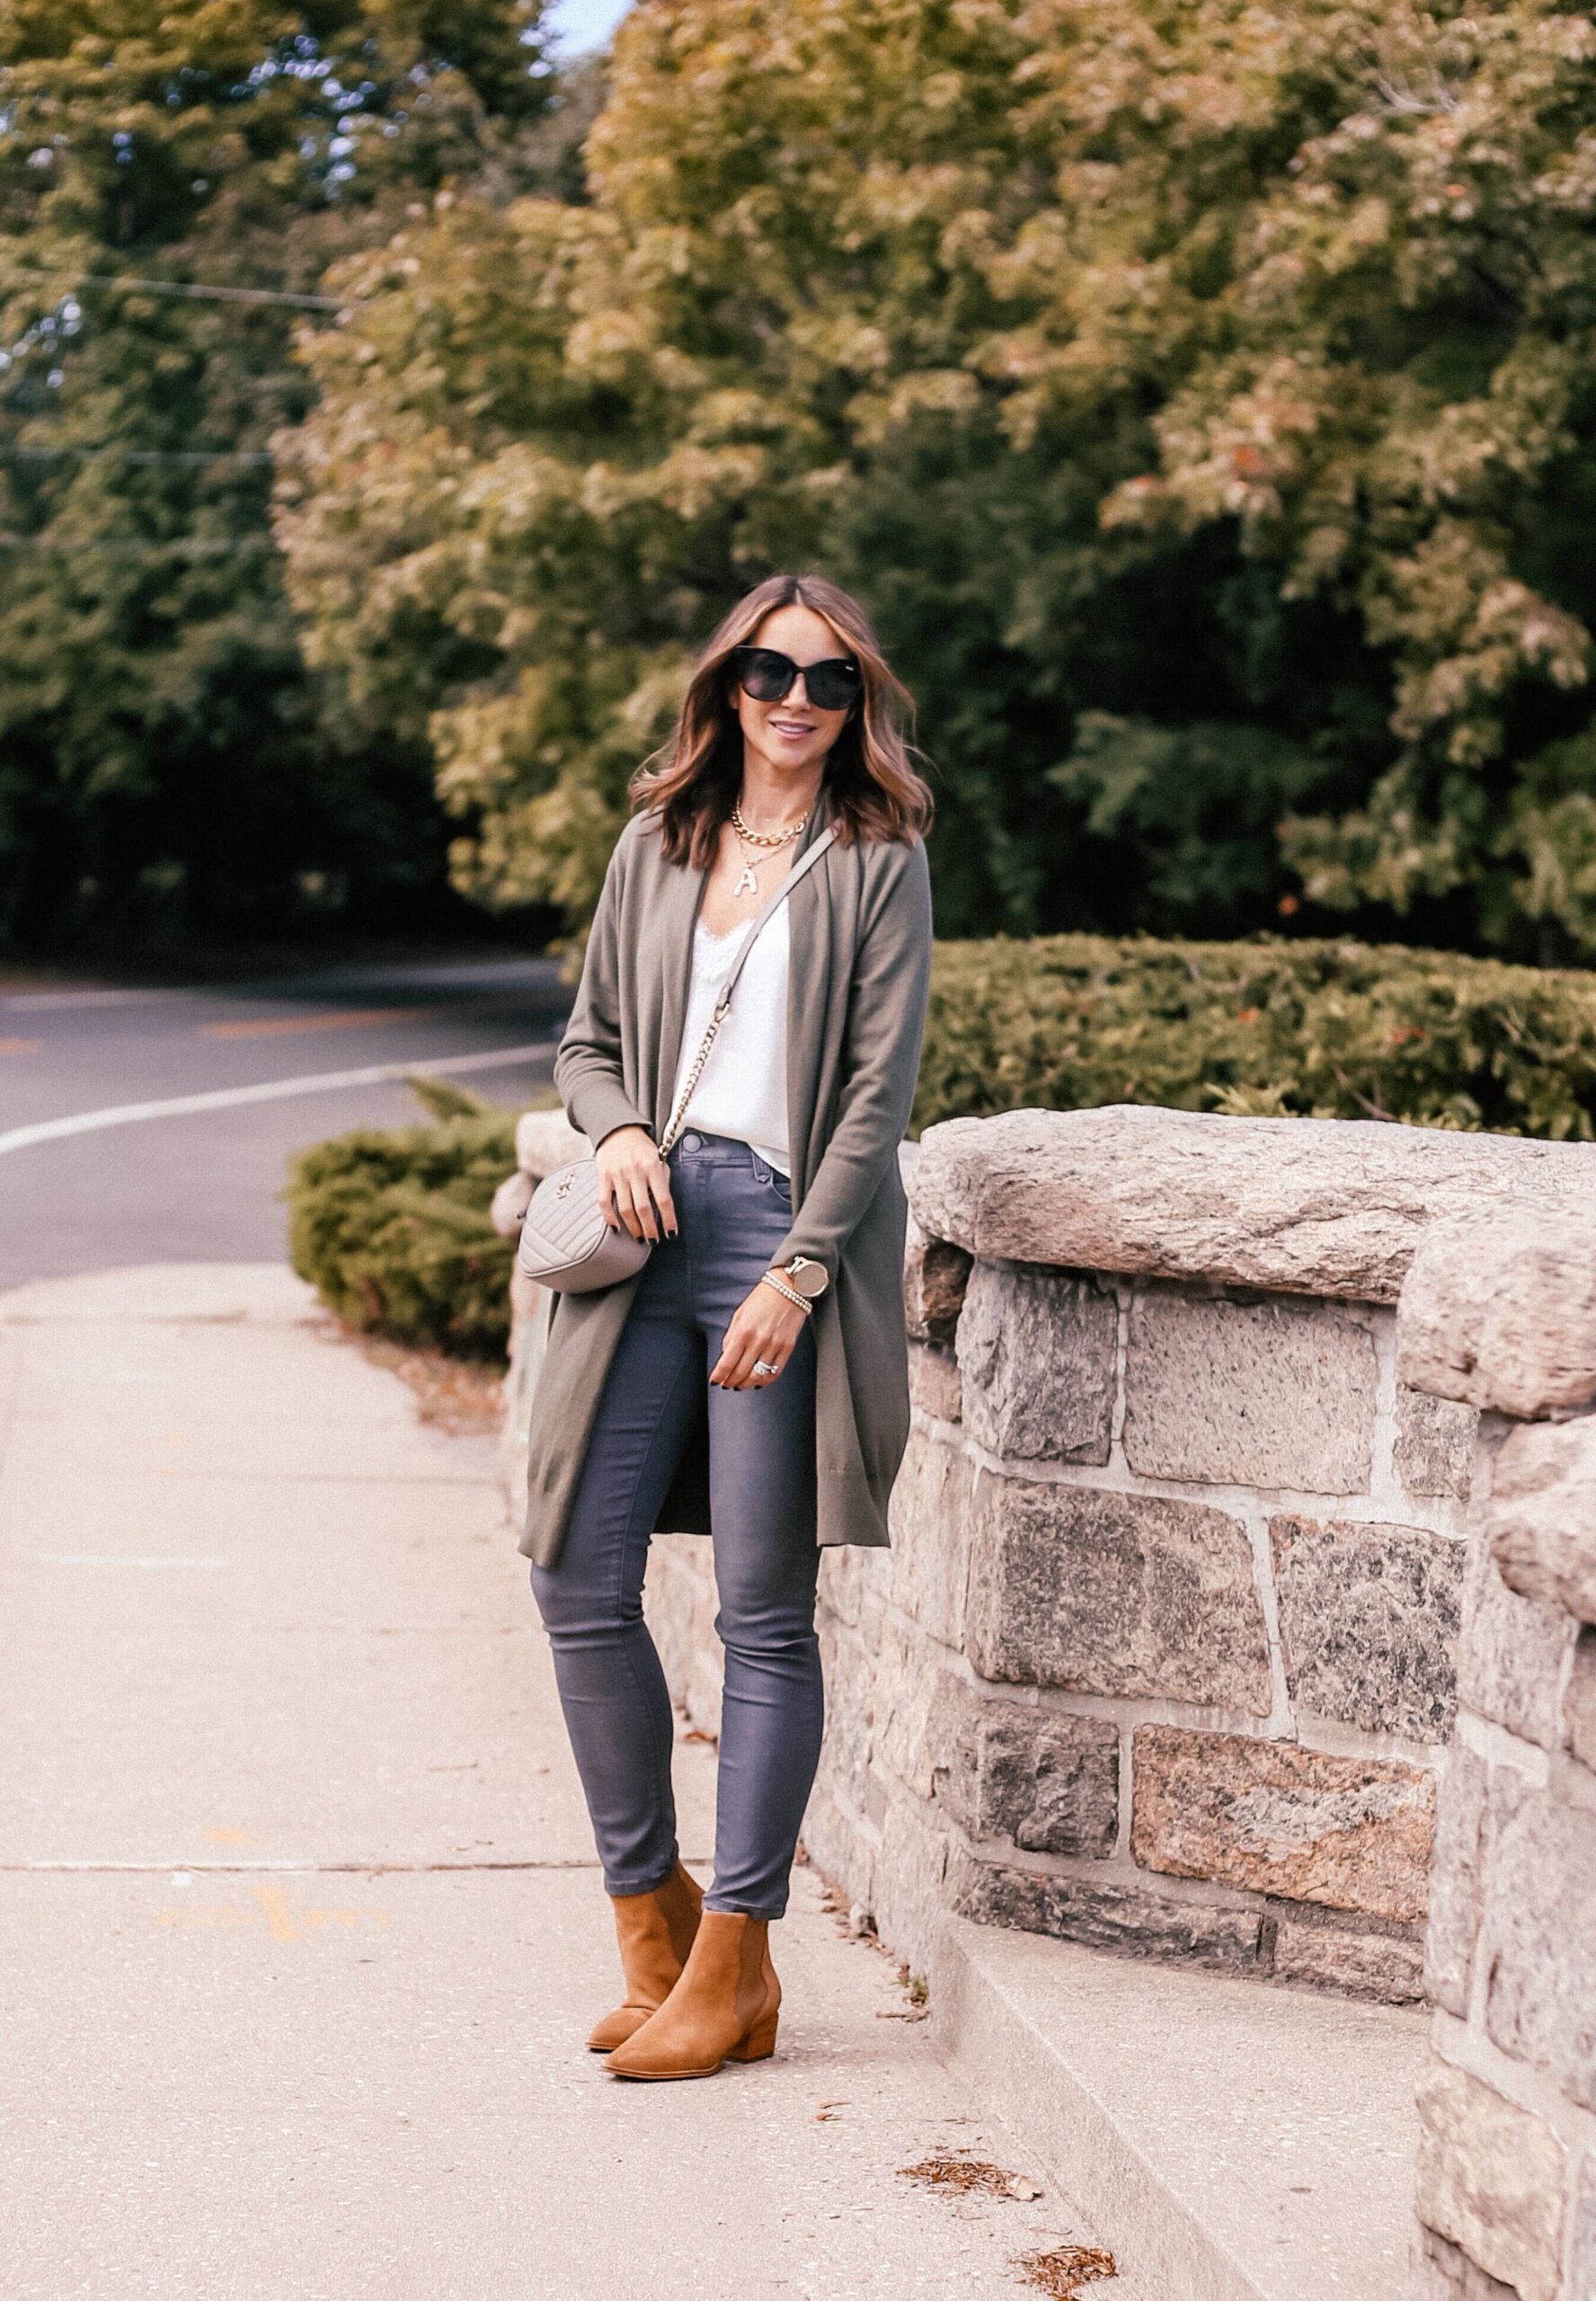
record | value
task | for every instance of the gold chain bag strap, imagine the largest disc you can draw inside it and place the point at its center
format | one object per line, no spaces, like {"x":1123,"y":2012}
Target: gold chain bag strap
{"x":566,"y":1244}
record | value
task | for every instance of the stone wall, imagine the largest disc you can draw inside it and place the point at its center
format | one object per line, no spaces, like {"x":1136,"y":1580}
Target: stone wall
{"x":1499,"y":1316}
{"x":1236,"y":1612}
{"x":1163,"y":1656}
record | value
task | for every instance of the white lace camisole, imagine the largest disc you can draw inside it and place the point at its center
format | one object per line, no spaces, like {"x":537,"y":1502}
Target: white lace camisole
{"x":742,"y":1090}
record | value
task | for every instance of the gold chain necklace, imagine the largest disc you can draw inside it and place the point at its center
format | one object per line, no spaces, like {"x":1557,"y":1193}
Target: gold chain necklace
{"x":772,"y":842}
{"x":771,"y":839}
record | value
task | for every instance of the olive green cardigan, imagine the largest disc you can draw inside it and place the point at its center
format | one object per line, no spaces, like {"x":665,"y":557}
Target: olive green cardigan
{"x":859,"y":971}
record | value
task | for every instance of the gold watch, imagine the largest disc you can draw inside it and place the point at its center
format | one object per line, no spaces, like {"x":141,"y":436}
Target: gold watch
{"x":805,"y":1277}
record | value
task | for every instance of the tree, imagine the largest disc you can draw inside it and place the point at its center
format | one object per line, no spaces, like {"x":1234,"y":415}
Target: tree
{"x":1383,"y":305}
{"x":161,"y":745}
{"x":1198,"y":396}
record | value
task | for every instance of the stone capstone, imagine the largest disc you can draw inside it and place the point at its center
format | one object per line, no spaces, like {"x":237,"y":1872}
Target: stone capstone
{"x":1270,"y":1394}
{"x":1491,"y":2181}
{"x":1434,"y":1444}
{"x":1104,"y":1916}
{"x":510,"y":1202}
{"x":1314,"y":1206}
{"x":1369,"y":1620}
{"x":546,"y":1140}
{"x":1353,"y":1834}
{"x":1036,"y":1364}
{"x":1499,"y":1310}
{"x":1047,"y":1782}
{"x":1543,"y":1514}
{"x":1114,"y":1594}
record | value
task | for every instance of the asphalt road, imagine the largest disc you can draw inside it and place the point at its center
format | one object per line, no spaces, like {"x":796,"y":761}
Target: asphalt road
{"x":86,"y":1185}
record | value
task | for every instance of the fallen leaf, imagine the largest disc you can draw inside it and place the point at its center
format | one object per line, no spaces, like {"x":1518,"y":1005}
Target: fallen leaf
{"x":955,"y":2169}
{"x":1062,"y":2272}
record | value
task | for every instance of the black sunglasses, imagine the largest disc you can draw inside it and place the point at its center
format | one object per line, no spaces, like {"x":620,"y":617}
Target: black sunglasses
{"x":769,"y":676}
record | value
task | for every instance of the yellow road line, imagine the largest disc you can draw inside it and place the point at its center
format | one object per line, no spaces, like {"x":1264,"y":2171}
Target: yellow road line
{"x":358,"y":1019}
{"x":273,"y":1027}
{"x":279,"y":1912}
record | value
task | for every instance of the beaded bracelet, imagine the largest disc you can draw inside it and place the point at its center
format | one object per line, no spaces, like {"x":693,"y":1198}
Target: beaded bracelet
{"x":769,"y":1278}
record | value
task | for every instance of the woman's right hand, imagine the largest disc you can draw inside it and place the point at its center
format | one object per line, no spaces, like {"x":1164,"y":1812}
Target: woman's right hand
{"x":634,"y":1185}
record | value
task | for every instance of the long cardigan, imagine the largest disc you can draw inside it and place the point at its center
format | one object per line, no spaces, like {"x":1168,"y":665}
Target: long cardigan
{"x":857,"y":984}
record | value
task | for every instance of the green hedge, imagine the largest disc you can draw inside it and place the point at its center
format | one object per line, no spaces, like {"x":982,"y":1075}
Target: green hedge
{"x":391,"y":1225}
{"x":1326,"y":1030}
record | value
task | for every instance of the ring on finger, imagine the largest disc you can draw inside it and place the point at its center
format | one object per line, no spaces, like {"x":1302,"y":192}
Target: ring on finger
{"x":764,"y":1366}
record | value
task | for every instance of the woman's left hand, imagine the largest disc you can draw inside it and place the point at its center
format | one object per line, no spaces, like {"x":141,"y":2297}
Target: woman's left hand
{"x":765,"y":1327}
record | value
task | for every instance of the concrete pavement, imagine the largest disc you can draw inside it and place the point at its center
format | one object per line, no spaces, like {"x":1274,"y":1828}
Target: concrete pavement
{"x":303,"y":1926}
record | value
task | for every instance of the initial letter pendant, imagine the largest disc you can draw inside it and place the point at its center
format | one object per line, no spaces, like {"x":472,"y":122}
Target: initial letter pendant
{"x":746,"y":885}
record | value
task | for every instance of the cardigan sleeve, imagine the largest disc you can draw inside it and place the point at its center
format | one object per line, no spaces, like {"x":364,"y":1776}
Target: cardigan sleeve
{"x":886,"y":1022}
{"x":588,"y":1065}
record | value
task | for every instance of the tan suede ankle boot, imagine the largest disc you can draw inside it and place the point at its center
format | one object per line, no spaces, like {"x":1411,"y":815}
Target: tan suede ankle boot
{"x":722,"y":2009}
{"x":654,"y":1931}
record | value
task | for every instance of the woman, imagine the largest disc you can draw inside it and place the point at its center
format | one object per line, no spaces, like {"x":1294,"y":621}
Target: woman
{"x":751,"y":1382}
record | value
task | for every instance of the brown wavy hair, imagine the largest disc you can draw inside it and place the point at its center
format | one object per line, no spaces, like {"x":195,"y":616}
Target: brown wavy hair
{"x":692,"y":782}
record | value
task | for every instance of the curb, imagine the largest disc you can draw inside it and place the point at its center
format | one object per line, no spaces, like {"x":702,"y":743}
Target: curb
{"x":1226,"y":2140}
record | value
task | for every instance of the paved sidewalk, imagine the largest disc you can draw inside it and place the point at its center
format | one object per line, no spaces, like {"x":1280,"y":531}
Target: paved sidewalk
{"x":302,"y":1922}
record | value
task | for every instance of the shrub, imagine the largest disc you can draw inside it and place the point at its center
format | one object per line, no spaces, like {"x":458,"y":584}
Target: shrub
{"x":391,"y":1226}
{"x":1320,"y":1029}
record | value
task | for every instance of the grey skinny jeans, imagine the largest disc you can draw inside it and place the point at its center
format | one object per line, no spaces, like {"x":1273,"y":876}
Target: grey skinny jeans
{"x":734,"y":1213}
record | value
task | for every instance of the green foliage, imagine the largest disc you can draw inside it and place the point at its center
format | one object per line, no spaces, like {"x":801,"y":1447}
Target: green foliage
{"x":1190,"y":808}
{"x":391,"y":1227}
{"x":160,"y":746}
{"x":447,"y":1098}
{"x":1265,"y":1028}
{"x":1200,"y":397}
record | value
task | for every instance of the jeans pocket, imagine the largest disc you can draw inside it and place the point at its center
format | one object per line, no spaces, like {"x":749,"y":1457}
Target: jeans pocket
{"x":780,"y":1186}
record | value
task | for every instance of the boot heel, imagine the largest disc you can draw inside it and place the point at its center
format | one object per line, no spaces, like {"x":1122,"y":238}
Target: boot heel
{"x":760,"y":2043}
